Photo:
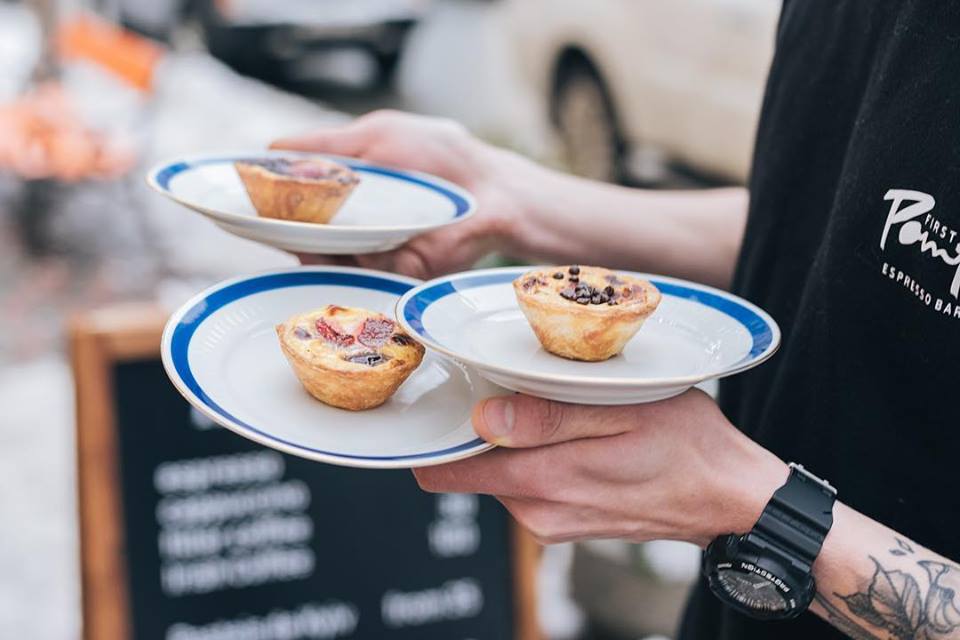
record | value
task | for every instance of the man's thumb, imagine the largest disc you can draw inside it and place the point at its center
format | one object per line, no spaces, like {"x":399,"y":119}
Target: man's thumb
{"x":525,"y":421}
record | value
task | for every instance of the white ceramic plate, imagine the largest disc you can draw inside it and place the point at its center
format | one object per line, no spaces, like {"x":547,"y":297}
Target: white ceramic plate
{"x":697,"y":333}
{"x":220,"y":350}
{"x":386,"y":209}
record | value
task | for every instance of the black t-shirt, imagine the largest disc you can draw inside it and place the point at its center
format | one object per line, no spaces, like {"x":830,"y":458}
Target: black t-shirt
{"x":853,"y":245}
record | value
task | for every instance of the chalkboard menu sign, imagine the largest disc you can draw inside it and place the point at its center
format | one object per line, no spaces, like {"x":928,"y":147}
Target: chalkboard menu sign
{"x":189,"y":532}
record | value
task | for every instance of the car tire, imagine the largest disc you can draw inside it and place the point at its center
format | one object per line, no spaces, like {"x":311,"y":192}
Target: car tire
{"x":243,"y":49}
{"x":586,"y":123}
{"x":387,"y":64}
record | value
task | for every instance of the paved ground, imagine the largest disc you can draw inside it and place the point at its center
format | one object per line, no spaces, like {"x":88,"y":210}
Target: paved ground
{"x":38,"y":567}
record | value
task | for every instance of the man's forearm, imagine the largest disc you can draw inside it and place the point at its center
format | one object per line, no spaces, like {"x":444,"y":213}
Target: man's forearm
{"x":690,"y":234}
{"x":874,"y":584}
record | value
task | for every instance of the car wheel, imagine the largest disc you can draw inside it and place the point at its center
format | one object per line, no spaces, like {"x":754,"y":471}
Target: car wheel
{"x":586,"y":124}
{"x":386,"y":67}
{"x":244,"y":49}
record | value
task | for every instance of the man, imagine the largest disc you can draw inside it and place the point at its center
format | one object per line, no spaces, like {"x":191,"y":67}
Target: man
{"x":849,"y":238}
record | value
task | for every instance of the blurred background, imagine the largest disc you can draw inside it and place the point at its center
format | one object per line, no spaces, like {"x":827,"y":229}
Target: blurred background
{"x":651,"y":93}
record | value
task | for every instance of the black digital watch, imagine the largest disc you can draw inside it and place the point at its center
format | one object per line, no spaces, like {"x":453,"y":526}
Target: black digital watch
{"x":767,"y":573}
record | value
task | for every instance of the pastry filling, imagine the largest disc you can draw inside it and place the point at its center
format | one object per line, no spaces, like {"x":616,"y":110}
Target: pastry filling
{"x":332,"y":335}
{"x":306,"y":169}
{"x":583,"y":293}
{"x":364,"y":348}
{"x":375,"y":332}
{"x":615,"y":292}
{"x":369,"y":358}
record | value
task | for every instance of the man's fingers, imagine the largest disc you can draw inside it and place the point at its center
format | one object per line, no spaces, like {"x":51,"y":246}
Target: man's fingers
{"x":531,"y":474}
{"x":340,"y":261}
{"x":346,"y":140}
{"x":406,"y":260}
{"x":524,"y":421}
{"x":479,"y":474}
{"x":556,"y":522}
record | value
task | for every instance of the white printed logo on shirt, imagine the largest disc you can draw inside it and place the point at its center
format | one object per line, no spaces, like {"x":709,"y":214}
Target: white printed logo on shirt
{"x":912,"y":223}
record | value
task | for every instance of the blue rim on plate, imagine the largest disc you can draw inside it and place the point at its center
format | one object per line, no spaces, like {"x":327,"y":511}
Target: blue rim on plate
{"x":160,"y":176}
{"x":182,"y":326}
{"x":763,"y":330}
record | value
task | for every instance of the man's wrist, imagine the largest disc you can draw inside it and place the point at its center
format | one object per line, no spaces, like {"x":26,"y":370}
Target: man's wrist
{"x":524,"y":191}
{"x":744,"y":492}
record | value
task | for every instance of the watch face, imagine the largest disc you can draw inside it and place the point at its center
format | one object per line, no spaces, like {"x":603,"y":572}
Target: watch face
{"x":751,"y":590}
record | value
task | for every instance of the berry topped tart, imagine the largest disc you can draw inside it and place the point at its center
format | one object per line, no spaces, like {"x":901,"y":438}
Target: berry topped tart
{"x":347,"y":357}
{"x":302,"y":189}
{"x":584,"y":313}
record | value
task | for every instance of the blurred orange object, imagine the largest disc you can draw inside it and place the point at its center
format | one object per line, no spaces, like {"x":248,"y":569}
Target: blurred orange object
{"x":41,"y":133}
{"x":128,"y":55}
{"x":42,"y":136}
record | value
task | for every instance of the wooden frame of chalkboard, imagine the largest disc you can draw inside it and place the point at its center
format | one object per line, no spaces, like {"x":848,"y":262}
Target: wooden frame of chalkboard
{"x":99,"y":341}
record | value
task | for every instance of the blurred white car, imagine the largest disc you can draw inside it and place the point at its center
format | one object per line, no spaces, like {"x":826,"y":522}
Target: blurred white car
{"x":616,"y":77}
{"x":623,"y":86}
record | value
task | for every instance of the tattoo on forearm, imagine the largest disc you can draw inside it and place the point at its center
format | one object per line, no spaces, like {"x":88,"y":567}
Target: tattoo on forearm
{"x":895,"y":605}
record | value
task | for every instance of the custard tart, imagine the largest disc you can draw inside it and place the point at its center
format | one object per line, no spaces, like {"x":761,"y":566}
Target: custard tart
{"x":348,"y":357}
{"x":584,"y":313}
{"x":300,"y":189}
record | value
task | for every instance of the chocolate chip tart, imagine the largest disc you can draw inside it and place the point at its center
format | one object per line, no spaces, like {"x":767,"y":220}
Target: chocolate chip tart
{"x":584,"y":313}
{"x":298,"y":189}
{"x":348,"y":357}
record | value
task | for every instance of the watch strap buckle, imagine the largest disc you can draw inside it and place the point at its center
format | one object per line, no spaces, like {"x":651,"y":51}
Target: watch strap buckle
{"x":800,"y":470}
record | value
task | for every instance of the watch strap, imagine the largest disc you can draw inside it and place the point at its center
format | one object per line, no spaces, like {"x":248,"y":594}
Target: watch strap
{"x":797,"y":519}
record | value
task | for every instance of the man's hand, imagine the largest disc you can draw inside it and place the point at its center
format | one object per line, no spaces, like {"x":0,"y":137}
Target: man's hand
{"x":675,"y":469}
{"x":444,"y":148}
{"x":536,"y":214}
